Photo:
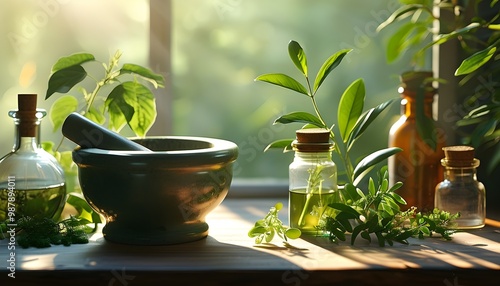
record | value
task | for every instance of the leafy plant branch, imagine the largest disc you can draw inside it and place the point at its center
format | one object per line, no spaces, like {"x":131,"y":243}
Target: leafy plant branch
{"x":129,"y":103}
{"x":352,"y":121}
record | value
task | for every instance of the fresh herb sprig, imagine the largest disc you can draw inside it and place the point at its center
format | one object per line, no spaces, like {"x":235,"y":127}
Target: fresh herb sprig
{"x":378,"y":212}
{"x":265,"y":229}
{"x":43,"y":232}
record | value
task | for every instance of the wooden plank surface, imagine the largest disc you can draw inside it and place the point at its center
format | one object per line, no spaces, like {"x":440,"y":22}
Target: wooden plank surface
{"x":228,"y":256}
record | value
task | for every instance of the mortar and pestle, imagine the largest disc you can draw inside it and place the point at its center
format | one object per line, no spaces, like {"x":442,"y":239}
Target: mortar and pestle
{"x":153,"y":190}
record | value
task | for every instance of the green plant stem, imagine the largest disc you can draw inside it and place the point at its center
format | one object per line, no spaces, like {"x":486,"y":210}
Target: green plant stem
{"x":345,"y":158}
{"x":309,"y":194}
{"x":109,"y":76}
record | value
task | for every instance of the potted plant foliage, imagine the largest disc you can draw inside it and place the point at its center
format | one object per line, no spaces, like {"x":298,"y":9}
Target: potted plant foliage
{"x":474,"y":28}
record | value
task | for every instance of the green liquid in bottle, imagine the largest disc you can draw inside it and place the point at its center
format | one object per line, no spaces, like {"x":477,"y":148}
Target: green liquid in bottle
{"x":306,"y":210}
{"x":45,"y":202}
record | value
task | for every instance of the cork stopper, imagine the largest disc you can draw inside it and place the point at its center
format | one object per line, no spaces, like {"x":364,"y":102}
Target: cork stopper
{"x":459,"y":156}
{"x":312,"y":140}
{"x":27,"y":115}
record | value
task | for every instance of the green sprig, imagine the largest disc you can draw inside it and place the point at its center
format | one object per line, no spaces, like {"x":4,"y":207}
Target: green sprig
{"x":265,"y":229}
{"x":377,"y":214}
{"x":44,"y":232}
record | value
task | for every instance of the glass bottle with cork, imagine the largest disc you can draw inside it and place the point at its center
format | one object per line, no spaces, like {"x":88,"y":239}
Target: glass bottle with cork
{"x":32,"y":183}
{"x":312,"y":179}
{"x":418,"y":166}
{"x":460,"y":192}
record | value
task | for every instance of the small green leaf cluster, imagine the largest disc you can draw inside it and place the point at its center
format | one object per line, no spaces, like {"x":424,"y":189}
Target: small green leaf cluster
{"x":84,"y":213}
{"x":377,"y":213}
{"x":43,"y":232}
{"x":265,"y":229}
{"x":130,"y":101}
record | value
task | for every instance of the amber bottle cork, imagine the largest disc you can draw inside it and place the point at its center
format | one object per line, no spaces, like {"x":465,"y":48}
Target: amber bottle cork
{"x":459,"y":156}
{"x":312,"y":140}
{"x":27,"y":115}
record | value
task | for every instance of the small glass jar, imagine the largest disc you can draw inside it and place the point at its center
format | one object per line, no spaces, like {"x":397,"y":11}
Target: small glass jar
{"x":460,"y":192}
{"x":312,"y":179}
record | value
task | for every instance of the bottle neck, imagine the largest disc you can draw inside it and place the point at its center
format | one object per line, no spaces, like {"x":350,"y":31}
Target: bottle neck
{"x":464,"y":174}
{"x":27,"y":144}
{"x":409,"y":103}
{"x":313,"y":156}
{"x":27,"y":128}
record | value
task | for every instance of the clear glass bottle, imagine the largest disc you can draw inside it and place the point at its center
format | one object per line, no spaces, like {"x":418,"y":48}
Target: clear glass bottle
{"x":418,"y":166}
{"x":460,"y":192}
{"x":312,"y":179}
{"x":32,"y":183}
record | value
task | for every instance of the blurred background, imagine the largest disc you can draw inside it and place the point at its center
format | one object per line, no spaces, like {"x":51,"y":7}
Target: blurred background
{"x":217,"y":49}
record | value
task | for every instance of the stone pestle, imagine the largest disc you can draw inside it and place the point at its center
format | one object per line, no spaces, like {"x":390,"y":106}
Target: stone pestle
{"x":88,"y":134}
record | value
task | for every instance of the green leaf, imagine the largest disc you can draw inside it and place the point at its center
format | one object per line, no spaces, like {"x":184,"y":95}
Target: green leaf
{"x":285,"y":144}
{"x":83,"y":208}
{"x":350,"y":108}
{"x":356,"y":231}
{"x":366,"y":235}
{"x":365,"y":165}
{"x":298,"y":56}
{"x":61,"y":108}
{"x":118,"y":108}
{"x":120,"y":112}
{"x":72,"y":60}
{"x":330,"y":64}
{"x":345,"y":208}
{"x":400,"y":13}
{"x":395,"y":187}
{"x":293,"y":233}
{"x":64,"y":80}
{"x":425,"y":230}
{"x":365,"y":120}
{"x":156,"y":79}
{"x":283,"y":80}
{"x":443,"y":38}
{"x":96,"y":115}
{"x":398,"y":42}
{"x":303,"y":117}
{"x":482,"y":130}
{"x":256,"y":231}
{"x":494,"y":27}
{"x":269,"y":235}
{"x":475,"y":61}
{"x":371,"y":187}
{"x":142,"y":100}
{"x":351,"y":193}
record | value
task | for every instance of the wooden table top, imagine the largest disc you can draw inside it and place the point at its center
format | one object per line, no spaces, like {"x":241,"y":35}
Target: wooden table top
{"x":229,"y":256}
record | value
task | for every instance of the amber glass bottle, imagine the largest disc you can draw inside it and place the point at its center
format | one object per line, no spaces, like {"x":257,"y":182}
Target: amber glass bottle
{"x":418,"y":166}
